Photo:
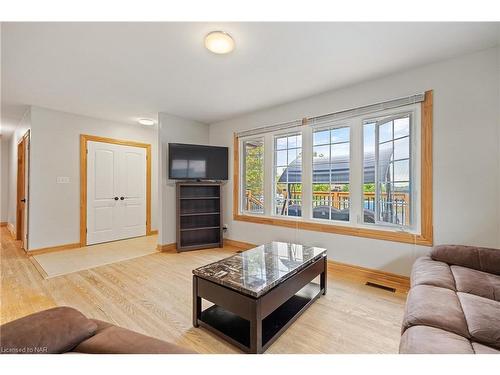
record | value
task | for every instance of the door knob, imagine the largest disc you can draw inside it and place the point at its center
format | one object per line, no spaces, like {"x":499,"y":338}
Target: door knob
{"x":116,"y":198}
{"x":122,"y":198}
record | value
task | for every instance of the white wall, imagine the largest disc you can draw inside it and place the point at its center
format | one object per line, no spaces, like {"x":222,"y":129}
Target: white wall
{"x":55,"y":152}
{"x":21,"y":129}
{"x":173,"y":129}
{"x":466,"y":152}
{"x":4,"y":183}
{"x":498,"y":132}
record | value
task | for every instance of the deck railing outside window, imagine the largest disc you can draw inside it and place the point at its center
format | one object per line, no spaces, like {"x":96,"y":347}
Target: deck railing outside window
{"x":396,"y":208}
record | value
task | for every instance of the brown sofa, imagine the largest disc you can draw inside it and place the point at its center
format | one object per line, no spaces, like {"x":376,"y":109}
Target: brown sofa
{"x":454,"y":302}
{"x":64,"y":329}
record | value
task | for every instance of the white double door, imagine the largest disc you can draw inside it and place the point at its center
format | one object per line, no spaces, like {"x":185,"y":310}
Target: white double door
{"x":116,"y":192}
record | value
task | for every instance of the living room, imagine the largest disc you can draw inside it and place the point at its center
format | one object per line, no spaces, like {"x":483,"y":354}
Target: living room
{"x":251,"y":187}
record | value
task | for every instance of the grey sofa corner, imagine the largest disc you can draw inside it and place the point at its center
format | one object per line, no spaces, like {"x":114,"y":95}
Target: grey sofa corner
{"x":454,"y":302}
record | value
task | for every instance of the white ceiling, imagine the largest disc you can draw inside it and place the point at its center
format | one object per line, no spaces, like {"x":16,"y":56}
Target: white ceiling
{"x":122,"y":71}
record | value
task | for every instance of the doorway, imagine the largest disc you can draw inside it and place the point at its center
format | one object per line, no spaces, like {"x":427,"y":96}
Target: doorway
{"x":115,"y":189}
{"x":22,"y":205}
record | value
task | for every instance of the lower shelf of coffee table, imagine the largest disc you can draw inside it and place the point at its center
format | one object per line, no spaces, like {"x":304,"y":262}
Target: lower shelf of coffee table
{"x":238,"y":329}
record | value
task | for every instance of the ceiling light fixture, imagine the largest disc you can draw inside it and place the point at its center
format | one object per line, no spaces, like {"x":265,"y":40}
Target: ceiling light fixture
{"x":219,"y":42}
{"x":146,"y":121}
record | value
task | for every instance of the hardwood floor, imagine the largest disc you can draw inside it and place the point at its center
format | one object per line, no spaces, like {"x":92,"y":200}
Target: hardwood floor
{"x":152,"y":295}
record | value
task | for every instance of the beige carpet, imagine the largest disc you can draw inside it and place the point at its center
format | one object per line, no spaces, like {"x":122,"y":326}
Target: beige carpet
{"x":74,"y":260}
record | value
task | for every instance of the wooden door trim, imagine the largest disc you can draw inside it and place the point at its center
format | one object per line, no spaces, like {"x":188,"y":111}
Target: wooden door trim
{"x":20,"y":186}
{"x":84,"y":138}
{"x":20,"y":230}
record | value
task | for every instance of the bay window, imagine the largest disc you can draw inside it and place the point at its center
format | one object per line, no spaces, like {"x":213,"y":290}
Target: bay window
{"x":332,"y":173}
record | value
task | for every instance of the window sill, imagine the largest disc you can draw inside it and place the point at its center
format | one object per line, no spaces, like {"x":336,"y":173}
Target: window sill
{"x":343,"y":229}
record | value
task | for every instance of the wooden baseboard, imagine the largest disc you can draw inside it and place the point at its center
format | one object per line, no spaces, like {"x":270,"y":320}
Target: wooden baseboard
{"x":3,"y":223}
{"x":12,"y":230}
{"x":152,"y":232}
{"x":167,"y":248}
{"x":53,"y":249}
{"x":367,"y":275}
{"x":238,"y":244}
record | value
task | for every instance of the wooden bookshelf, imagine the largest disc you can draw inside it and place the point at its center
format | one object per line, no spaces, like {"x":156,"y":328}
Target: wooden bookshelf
{"x":199,"y":215}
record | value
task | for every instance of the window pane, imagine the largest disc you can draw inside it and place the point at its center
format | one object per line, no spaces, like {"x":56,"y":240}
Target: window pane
{"x":402,"y":148}
{"x":280,"y":197}
{"x":340,"y":135}
{"x":385,"y":132}
{"x":392,"y":199}
{"x":321,"y":154}
{"x":281,"y":174}
{"x":402,"y":202}
{"x":402,"y":187}
{"x":369,"y":172}
{"x":281,"y":143}
{"x":402,"y":127}
{"x":395,"y":204}
{"x":292,"y":156}
{"x":253,"y":176}
{"x":402,"y":170}
{"x":294,"y":207}
{"x":281,"y":157}
{"x":340,"y":152}
{"x":321,"y":172}
{"x":369,"y":203}
{"x":288,"y":176}
{"x":295,"y":141}
{"x":384,"y":161}
{"x":369,"y":137}
{"x":330,"y":200}
{"x":321,"y":137}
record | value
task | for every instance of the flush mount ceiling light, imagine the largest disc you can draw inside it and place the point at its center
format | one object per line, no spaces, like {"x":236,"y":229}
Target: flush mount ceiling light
{"x":219,"y":42}
{"x":146,"y":121}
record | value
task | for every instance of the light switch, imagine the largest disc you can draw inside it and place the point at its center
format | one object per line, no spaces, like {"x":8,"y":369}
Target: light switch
{"x":62,"y":180}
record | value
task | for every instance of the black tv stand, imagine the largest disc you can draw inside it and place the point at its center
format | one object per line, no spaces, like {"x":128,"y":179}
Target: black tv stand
{"x":199,"y":215}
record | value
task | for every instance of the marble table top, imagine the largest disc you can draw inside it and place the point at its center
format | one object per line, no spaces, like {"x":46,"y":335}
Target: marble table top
{"x":254,"y":272}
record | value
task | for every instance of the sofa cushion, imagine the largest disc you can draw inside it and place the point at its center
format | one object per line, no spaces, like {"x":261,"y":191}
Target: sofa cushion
{"x":479,"y":258}
{"x":476,"y":282}
{"x":56,"y":330}
{"x":111,"y":339}
{"x":430,"y":340}
{"x":483,"y":349}
{"x":483,"y":318}
{"x":435,"y":307}
{"x":426,"y":271}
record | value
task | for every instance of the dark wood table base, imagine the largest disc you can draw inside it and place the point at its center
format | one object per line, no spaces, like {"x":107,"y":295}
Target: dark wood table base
{"x":253,"y":324}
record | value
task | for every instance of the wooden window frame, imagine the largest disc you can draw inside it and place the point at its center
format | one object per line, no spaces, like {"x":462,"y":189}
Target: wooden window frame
{"x":425,"y":238}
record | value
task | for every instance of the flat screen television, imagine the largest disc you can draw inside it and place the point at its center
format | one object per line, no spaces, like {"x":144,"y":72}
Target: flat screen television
{"x":197,"y":162}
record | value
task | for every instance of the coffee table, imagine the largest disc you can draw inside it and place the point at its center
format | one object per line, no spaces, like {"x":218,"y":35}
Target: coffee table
{"x":258,"y":293}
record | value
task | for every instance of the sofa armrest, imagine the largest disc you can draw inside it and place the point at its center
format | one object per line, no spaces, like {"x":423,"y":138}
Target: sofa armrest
{"x":110,"y":339}
{"x":56,"y":330}
{"x":478,"y":258}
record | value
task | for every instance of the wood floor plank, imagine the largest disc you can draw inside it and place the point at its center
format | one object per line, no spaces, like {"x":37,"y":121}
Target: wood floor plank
{"x":152,"y":295}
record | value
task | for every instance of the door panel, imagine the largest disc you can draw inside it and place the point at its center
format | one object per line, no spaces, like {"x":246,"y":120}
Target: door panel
{"x":102,"y":218}
{"x":135,"y":173}
{"x":116,"y":192}
{"x":134,"y":192}
{"x":104,"y":174}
